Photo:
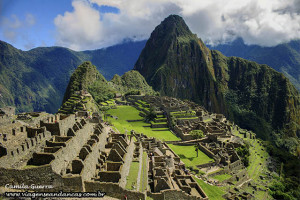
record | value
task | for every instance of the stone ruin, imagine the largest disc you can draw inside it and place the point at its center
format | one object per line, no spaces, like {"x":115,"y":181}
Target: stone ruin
{"x":52,"y":152}
{"x":218,"y":142}
{"x":76,"y":153}
{"x":197,"y":117}
{"x":72,"y":153}
{"x":166,"y":171}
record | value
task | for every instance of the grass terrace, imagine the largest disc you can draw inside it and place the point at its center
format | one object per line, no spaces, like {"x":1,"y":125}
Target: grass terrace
{"x":188,"y":155}
{"x":183,"y":114}
{"x":125,"y":113}
{"x":187,"y":118}
{"x":133,"y":175}
{"x":213,"y":192}
{"x":257,"y":158}
{"x":144,"y":174}
{"x":143,"y":103}
{"x":109,"y":102}
{"x":222,"y":177}
{"x":257,"y":166}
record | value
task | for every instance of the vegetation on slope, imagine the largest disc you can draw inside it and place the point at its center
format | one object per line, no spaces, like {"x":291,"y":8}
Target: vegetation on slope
{"x":284,"y":58}
{"x":36,"y":80}
{"x":22,"y":86}
{"x":87,"y":79}
{"x":131,"y":81}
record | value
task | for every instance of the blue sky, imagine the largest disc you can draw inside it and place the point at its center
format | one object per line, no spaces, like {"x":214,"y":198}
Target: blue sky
{"x":23,"y":34}
{"x":30,"y":23}
{"x":93,"y":24}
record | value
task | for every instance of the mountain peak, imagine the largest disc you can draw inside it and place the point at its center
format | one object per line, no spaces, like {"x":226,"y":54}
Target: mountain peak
{"x":173,"y":19}
{"x":173,"y":25}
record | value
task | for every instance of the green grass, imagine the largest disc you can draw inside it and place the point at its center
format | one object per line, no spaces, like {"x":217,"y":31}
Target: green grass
{"x":222,"y":177}
{"x":257,"y":155}
{"x":207,"y":120}
{"x":125,"y":113}
{"x":29,"y":166}
{"x":152,"y":122}
{"x":187,"y":118}
{"x":161,"y":118}
{"x":132,"y":177}
{"x":188,"y":155}
{"x":144,"y":174}
{"x":213,"y":192}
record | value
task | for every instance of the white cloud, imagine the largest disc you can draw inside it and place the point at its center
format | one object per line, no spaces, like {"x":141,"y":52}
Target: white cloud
{"x":10,"y":35}
{"x":30,"y":19}
{"x":13,"y":28}
{"x":263,"y":22}
{"x":12,"y":23}
{"x":80,"y":28}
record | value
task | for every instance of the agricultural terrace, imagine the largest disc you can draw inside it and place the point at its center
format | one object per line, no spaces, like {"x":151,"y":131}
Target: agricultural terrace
{"x":257,"y":168}
{"x":123,"y":113}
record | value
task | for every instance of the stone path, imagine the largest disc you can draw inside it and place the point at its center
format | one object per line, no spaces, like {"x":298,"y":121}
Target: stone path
{"x":209,"y":170}
{"x":240,"y":185}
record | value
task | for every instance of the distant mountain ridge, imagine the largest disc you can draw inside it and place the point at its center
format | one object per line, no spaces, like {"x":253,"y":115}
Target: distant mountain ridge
{"x":284,"y":58}
{"x":177,"y":63}
{"x":36,"y":80}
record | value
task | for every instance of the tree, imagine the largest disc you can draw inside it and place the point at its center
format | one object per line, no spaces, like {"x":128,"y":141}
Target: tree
{"x":243,"y":152}
{"x":197,"y":134}
{"x":151,"y":115}
{"x":196,"y":149}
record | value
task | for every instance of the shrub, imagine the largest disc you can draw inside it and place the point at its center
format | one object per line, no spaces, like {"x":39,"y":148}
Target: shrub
{"x":244,"y":153}
{"x":133,"y":92}
{"x":197,"y":134}
{"x":150,"y":116}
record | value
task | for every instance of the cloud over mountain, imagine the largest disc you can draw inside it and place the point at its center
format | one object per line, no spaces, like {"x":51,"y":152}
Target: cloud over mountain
{"x":262,"y":22}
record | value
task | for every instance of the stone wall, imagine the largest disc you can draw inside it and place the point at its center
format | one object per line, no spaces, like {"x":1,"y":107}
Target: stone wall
{"x":206,"y":151}
{"x":181,"y":134}
{"x":173,"y":194}
{"x":40,"y":176}
{"x":181,"y":121}
{"x":127,"y":162}
{"x":8,"y":110}
{"x":32,"y":131}
{"x":234,"y":165}
{"x":113,"y":190}
{"x":5,"y":119}
{"x":207,"y":164}
{"x":30,"y":145}
{"x":91,"y":160}
{"x":240,"y":177}
{"x":72,"y":148}
{"x":224,"y":171}
{"x":59,"y":126}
